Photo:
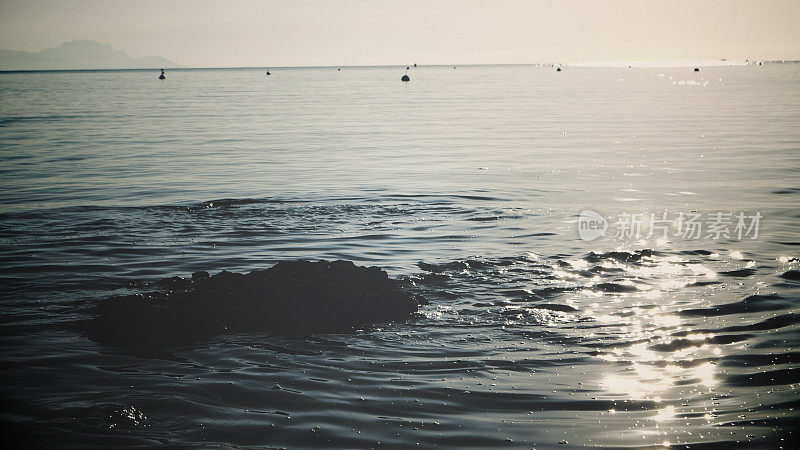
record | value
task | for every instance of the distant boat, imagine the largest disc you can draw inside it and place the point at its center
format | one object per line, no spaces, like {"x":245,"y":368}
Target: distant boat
{"x":268,"y":72}
{"x":162,"y":76}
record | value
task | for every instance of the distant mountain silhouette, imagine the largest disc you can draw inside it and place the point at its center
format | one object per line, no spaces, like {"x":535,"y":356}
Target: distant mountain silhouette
{"x":84,"y":54}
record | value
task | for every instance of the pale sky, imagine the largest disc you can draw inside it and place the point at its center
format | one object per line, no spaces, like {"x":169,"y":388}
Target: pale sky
{"x":205,"y":33}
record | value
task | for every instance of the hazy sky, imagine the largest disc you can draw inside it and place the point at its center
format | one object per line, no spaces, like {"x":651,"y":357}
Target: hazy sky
{"x":220,"y":33}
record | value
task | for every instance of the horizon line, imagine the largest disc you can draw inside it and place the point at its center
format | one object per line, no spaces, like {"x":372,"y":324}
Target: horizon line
{"x":588,"y":64}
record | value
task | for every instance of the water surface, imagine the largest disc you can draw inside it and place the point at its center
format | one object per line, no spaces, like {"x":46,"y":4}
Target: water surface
{"x":467,"y":183}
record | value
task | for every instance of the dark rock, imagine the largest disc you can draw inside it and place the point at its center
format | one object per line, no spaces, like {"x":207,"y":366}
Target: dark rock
{"x":201,"y":275}
{"x":405,"y":78}
{"x":294,"y":296}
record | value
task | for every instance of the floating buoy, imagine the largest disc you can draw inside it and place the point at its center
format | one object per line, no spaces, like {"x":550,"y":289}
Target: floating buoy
{"x":415,"y":64}
{"x":338,"y":70}
{"x":696,"y":69}
{"x":558,"y":70}
{"x":268,"y":72}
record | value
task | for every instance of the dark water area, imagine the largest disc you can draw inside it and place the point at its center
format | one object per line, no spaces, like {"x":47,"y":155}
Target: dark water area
{"x":468,"y":187}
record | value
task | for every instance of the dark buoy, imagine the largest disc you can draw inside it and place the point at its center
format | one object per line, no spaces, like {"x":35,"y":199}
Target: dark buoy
{"x":558,"y":69}
{"x":162,"y":76}
{"x":696,"y":69}
{"x":268,"y":72}
{"x":338,"y":70}
{"x":415,"y":64}
{"x":405,"y":77}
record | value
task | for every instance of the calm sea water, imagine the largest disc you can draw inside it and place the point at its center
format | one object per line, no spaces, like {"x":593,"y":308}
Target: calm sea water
{"x":468,"y":183}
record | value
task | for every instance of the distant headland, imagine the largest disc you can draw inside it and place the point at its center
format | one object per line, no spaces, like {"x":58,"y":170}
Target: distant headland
{"x":79,"y":54}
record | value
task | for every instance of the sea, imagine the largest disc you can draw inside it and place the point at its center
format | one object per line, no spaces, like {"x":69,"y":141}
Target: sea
{"x":610,"y":254}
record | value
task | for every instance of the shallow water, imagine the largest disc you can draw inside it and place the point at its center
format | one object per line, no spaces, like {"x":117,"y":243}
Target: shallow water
{"x":465,"y":182}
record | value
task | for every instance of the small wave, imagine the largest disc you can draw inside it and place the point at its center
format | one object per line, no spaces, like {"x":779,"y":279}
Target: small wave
{"x":8,"y":120}
{"x":554,"y":307}
{"x":767,"y":378}
{"x":793,"y":275}
{"x":552,"y":291}
{"x":704,"y":283}
{"x":760,"y":359}
{"x":740,"y":273}
{"x":786,"y":191}
{"x":232,"y":202}
{"x":614,"y":287}
{"x":620,"y":256}
{"x":680,"y":344}
{"x":697,"y":252}
{"x":772,"y":323}
{"x":456,"y":266}
{"x":428,"y":196}
{"x":753,"y":303}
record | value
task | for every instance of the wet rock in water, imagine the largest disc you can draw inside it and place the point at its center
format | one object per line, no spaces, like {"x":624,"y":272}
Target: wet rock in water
{"x":292,"y":296}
